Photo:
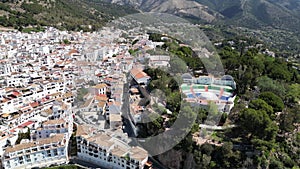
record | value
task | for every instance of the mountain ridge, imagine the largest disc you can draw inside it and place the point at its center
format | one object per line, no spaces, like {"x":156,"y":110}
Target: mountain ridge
{"x":247,"y":13}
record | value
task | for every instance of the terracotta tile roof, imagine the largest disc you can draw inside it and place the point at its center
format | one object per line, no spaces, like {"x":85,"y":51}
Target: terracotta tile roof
{"x":101,"y":104}
{"x":34,"y":104}
{"x":101,"y":139}
{"x":101,"y":98}
{"x":64,"y":106}
{"x":72,"y":51}
{"x":141,"y":75}
{"x":16,"y":93}
{"x":67,"y":95}
{"x":55,"y":138}
{"x":25,"y":124}
{"x":58,"y":121}
{"x":135,"y":71}
{"x":8,"y":89}
{"x":134,"y":90}
{"x":5,"y":115}
{"x":55,"y":94}
{"x":138,"y":153}
{"x":138,"y":73}
{"x":100,"y":86}
{"x":20,"y":147}
{"x":119,"y":152}
{"x":48,"y":111}
{"x":82,"y":130}
{"x":109,"y":79}
{"x":59,"y":62}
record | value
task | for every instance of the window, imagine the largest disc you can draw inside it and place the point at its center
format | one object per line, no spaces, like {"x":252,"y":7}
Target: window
{"x":55,"y":152}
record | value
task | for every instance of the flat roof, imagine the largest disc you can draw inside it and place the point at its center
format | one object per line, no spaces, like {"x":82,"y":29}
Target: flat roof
{"x":52,"y":139}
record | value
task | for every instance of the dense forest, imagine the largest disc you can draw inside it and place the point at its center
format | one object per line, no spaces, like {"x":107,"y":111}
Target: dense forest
{"x":266,"y":112}
{"x":62,"y":14}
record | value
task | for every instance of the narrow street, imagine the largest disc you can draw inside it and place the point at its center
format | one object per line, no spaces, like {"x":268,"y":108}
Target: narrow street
{"x":125,"y":112}
{"x":128,"y":127}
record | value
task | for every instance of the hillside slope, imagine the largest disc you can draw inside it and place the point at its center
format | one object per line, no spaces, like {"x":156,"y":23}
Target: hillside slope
{"x":67,"y":14}
{"x":276,"y":22}
{"x":260,"y":13}
{"x":249,"y":13}
{"x":190,"y":9}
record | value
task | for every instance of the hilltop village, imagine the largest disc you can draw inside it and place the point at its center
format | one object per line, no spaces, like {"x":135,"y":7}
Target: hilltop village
{"x":64,"y":96}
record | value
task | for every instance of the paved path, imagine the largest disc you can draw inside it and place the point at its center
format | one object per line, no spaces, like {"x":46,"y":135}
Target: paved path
{"x":204,"y":126}
{"x":127,"y":121}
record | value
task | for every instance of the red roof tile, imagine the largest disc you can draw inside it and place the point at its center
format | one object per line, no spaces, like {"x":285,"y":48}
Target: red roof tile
{"x":34,"y":104}
{"x":25,"y":124}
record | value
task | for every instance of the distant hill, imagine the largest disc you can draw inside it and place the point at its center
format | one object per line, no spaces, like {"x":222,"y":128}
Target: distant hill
{"x":73,"y":14}
{"x":274,"y":21}
{"x":249,"y":13}
{"x":184,"y":8}
{"x":65,"y":14}
{"x":258,"y":13}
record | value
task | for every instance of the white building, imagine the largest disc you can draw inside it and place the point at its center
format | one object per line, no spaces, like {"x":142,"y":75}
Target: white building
{"x":49,"y":127}
{"x":159,"y":61}
{"x":40,"y":153}
{"x":106,"y":151}
{"x":139,"y":76}
{"x":99,"y":89}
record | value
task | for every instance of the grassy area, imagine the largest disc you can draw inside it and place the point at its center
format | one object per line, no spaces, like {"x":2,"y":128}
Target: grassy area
{"x":215,"y":137}
{"x":81,"y":93}
{"x":33,"y":29}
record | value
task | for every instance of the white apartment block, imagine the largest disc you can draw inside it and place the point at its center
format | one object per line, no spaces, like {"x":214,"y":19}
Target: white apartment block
{"x":109,"y":152}
{"x":99,"y":89}
{"x":40,"y":153}
{"x":159,"y":61}
{"x":17,"y":118}
{"x":50,"y":127}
